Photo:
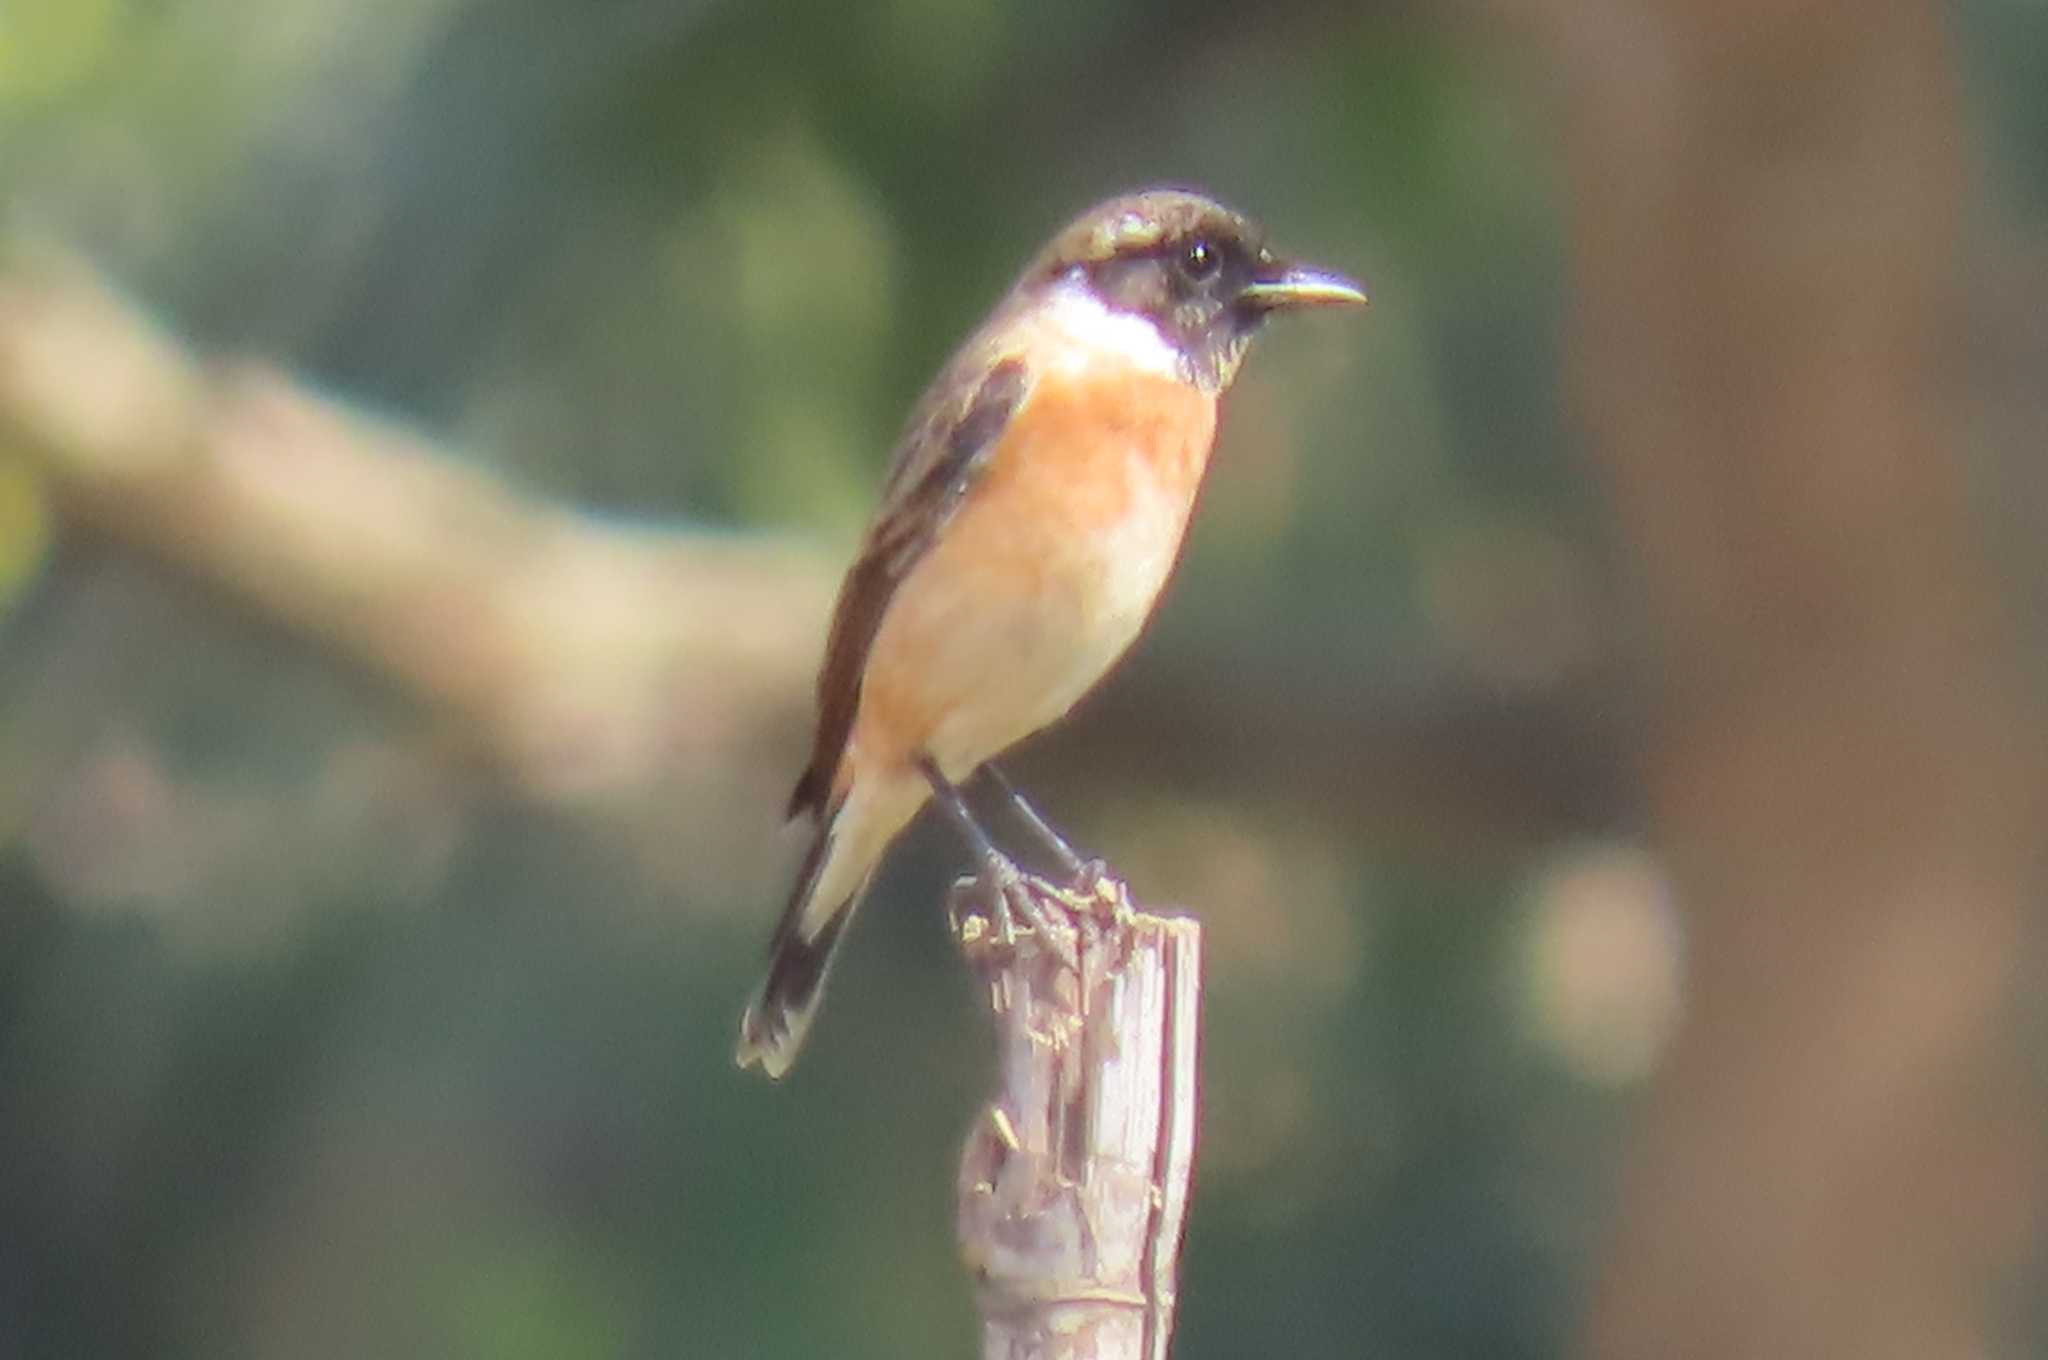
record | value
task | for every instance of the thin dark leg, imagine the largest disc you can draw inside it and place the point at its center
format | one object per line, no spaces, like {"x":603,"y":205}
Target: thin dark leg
{"x":955,"y":807}
{"x":1070,"y":862}
{"x":1008,"y":897}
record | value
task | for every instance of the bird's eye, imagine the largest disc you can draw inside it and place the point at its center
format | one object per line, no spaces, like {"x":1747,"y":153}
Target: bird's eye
{"x":1200,"y":260}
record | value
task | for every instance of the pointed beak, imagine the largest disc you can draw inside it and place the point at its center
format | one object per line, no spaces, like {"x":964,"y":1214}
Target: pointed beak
{"x":1289,"y":286}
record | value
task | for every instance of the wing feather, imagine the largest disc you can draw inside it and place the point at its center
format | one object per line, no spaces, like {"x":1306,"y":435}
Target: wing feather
{"x":948,"y":444}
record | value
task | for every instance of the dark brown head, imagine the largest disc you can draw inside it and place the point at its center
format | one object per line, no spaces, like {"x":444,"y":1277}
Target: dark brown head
{"x":1196,"y":270}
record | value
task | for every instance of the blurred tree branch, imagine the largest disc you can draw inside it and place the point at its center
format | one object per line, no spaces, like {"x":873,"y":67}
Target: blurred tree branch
{"x":578,"y":655}
{"x":1843,"y":1153}
{"x":590,"y":659}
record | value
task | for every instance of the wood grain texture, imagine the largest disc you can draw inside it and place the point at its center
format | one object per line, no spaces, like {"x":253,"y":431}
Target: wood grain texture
{"x":1074,"y":1183}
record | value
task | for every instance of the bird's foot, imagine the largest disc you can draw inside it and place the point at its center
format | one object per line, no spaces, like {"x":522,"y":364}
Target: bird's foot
{"x":1103,"y":889}
{"x":1002,"y":906}
{"x":1093,"y":893}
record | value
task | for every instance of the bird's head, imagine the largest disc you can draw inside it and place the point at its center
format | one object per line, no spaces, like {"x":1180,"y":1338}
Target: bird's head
{"x":1198,"y":271}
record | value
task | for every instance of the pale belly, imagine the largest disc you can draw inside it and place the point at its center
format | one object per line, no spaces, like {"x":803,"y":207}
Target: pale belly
{"x":1007,"y":623}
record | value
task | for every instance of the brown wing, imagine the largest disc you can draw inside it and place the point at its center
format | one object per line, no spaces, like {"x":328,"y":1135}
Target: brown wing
{"x":945,"y":450}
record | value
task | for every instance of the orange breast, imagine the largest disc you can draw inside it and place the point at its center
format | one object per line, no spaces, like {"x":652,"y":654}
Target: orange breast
{"x":1045,"y":574}
{"x":1088,"y":447}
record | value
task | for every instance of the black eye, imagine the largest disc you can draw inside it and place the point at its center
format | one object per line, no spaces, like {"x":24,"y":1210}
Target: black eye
{"x":1200,"y":260}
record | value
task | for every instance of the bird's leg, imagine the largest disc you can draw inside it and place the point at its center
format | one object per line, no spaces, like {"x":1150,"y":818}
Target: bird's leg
{"x":1008,"y":896}
{"x":1071,"y":863}
{"x":1086,"y":878}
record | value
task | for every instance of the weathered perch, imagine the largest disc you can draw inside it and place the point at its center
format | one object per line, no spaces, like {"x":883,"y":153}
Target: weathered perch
{"x":1074,"y":1183}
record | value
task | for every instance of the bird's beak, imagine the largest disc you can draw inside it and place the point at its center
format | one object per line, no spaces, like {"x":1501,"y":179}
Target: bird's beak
{"x":1279,"y":286}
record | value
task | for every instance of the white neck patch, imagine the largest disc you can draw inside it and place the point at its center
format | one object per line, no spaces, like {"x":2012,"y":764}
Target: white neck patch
{"x":1084,"y":329}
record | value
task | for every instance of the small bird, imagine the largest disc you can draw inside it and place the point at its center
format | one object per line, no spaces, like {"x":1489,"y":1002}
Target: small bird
{"x":1034,"y":510}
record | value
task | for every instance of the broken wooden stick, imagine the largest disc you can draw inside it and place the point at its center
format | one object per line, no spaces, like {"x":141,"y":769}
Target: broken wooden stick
{"x":1074,"y":1182}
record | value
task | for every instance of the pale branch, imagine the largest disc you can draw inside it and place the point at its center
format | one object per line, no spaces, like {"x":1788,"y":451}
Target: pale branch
{"x":1074,"y":1182}
{"x":579,"y":655}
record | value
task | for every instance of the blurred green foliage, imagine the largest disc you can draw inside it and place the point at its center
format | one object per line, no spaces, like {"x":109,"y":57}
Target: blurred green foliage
{"x":24,"y":528}
{"x":449,"y":1080}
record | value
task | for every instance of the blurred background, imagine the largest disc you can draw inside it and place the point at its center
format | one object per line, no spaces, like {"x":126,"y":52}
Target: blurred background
{"x":1592,"y":719}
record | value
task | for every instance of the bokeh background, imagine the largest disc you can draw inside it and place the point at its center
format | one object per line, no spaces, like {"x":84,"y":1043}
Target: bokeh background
{"x":336,"y":1020}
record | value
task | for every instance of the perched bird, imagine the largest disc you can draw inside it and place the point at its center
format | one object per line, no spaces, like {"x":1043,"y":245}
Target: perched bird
{"x":1031,"y":517}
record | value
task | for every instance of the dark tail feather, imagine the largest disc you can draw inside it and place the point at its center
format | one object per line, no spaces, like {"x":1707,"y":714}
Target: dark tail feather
{"x":777,"y":1019}
{"x":809,"y":794}
{"x":773,"y":1030}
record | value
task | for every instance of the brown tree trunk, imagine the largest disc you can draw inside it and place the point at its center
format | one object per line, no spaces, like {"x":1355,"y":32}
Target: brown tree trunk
{"x":1844,"y":772}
